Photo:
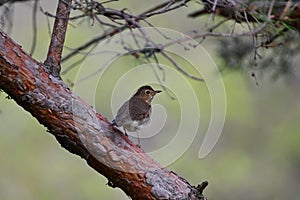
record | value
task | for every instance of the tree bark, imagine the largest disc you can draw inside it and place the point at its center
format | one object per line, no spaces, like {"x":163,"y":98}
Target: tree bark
{"x":82,"y":131}
{"x":52,"y":62}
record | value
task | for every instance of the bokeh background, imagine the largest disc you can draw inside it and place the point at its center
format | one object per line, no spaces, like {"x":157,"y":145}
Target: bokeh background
{"x":256,"y":157}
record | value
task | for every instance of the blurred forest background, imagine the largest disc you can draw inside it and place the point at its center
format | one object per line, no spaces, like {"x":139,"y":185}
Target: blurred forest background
{"x":256,"y":157}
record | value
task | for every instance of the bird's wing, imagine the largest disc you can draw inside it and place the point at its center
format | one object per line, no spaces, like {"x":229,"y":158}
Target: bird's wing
{"x":123,"y":114}
{"x":139,"y":110}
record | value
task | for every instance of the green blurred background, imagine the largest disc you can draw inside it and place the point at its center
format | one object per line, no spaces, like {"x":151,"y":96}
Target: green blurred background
{"x":257,"y":155}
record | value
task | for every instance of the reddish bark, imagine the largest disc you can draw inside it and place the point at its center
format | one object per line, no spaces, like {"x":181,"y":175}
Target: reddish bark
{"x":82,"y":131}
{"x":52,"y":62}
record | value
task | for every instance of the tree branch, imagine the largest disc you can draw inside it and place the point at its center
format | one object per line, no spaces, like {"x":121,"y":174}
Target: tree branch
{"x":287,"y":12}
{"x":52,"y":62}
{"x":81,"y":130}
{"x":129,"y":20}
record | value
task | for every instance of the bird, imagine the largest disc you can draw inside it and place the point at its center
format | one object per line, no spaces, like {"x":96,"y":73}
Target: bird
{"x":136,"y":111}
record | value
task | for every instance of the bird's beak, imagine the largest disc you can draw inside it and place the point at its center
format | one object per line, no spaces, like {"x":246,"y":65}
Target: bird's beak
{"x":157,"y":91}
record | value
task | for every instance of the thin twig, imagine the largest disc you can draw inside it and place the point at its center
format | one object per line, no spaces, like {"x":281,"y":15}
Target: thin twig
{"x":94,"y":41}
{"x":174,"y":63}
{"x":165,"y":89}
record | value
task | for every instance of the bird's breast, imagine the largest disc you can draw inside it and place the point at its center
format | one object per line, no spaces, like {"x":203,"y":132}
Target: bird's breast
{"x":135,"y":125}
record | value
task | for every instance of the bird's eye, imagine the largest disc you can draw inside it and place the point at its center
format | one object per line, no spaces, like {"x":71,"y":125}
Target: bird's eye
{"x":147,"y":91}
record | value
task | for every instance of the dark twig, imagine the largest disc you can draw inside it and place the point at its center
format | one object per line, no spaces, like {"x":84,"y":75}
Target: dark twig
{"x":166,"y":8}
{"x":52,"y":62}
{"x":94,"y":41}
{"x":174,"y":63}
{"x":69,"y":68}
{"x":150,"y":53}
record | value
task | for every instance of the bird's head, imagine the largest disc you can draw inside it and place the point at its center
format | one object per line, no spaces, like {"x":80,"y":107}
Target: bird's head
{"x":146,"y":93}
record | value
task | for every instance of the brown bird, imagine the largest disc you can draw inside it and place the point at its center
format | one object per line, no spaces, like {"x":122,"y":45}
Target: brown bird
{"x":136,"y":112}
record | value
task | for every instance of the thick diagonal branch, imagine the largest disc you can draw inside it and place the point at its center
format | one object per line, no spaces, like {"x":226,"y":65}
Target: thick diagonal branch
{"x":81,"y":130}
{"x":52,"y":62}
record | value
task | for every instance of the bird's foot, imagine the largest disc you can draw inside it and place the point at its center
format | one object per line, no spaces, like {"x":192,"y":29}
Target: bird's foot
{"x":113,"y":123}
{"x":125,"y":132}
